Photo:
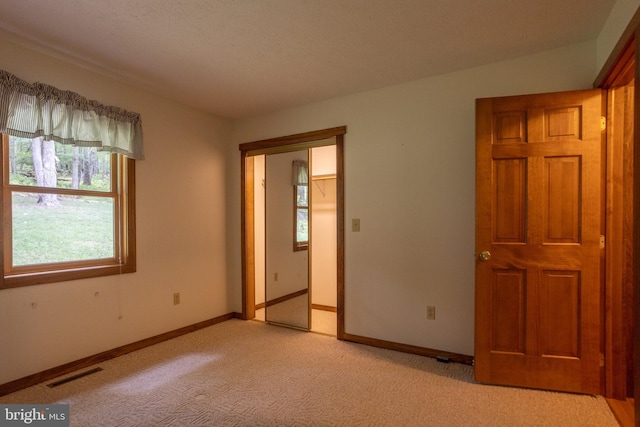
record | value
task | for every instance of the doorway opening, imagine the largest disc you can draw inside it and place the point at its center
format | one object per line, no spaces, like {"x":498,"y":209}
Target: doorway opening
{"x":276,"y":280}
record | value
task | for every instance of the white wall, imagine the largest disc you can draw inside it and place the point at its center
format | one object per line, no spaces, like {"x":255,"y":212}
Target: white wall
{"x":324,"y":236}
{"x":181,"y":235}
{"x":409,"y":177}
{"x":323,"y":160}
{"x":324,"y":279}
{"x":621,"y":14}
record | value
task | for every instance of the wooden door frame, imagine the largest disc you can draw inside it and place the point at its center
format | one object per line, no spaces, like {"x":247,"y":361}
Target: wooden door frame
{"x":288,"y":143}
{"x":618,"y":215}
{"x":616,"y":65}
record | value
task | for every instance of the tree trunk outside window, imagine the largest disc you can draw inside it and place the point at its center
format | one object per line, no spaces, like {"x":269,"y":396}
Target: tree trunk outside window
{"x":44,"y":165}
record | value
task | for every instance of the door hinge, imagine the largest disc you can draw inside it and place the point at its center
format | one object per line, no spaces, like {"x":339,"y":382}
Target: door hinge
{"x":601,"y":241}
{"x":601,"y":359}
{"x":603,"y":123}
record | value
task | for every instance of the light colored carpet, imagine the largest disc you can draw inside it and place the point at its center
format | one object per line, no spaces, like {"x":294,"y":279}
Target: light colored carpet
{"x":241,"y":373}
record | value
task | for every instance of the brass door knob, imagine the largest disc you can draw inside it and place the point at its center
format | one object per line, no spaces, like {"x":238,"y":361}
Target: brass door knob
{"x":485,"y":256}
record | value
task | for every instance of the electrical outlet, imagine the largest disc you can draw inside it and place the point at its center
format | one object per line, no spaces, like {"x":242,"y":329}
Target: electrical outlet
{"x":431,"y":312}
{"x":275,"y":277}
{"x":176,"y":298}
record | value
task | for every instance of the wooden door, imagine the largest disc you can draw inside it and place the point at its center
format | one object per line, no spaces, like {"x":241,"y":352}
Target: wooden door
{"x":538,"y":247}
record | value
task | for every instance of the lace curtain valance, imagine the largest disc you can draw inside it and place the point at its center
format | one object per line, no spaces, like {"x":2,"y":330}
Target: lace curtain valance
{"x":30,"y":110}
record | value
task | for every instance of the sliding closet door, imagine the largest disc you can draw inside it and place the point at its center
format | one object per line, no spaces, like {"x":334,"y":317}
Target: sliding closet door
{"x":287,"y":284}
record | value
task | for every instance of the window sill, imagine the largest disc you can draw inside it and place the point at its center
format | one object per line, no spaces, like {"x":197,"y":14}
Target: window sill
{"x":28,"y":279}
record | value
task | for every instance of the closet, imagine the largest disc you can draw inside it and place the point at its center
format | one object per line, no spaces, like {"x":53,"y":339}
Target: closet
{"x":295,"y":238}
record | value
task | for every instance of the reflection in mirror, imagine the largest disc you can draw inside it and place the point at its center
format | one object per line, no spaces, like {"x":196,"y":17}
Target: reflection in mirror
{"x":287,"y":293}
{"x":301,"y":215}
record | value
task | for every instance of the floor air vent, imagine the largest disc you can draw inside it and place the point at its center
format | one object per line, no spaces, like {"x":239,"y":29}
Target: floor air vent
{"x":74,"y":377}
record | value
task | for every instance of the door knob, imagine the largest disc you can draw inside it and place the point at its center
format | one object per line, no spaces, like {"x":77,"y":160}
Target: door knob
{"x":485,"y":256}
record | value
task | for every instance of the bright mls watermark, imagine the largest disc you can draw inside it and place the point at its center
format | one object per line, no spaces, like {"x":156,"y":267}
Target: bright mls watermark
{"x":53,"y":415}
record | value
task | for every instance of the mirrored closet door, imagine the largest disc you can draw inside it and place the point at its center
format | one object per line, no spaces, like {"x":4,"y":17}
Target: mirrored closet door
{"x":287,"y":232}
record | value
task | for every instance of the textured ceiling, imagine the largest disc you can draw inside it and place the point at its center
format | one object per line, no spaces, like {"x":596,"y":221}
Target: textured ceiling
{"x":238,"y":58}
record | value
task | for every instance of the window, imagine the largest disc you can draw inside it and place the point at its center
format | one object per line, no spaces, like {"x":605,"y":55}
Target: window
{"x":301,"y":216}
{"x":68,"y":212}
{"x":68,"y":192}
{"x":300,"y":181}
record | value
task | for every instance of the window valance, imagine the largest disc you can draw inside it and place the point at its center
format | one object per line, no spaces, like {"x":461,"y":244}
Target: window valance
{"x":300,"y":173}
{"x":30,"y":110}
